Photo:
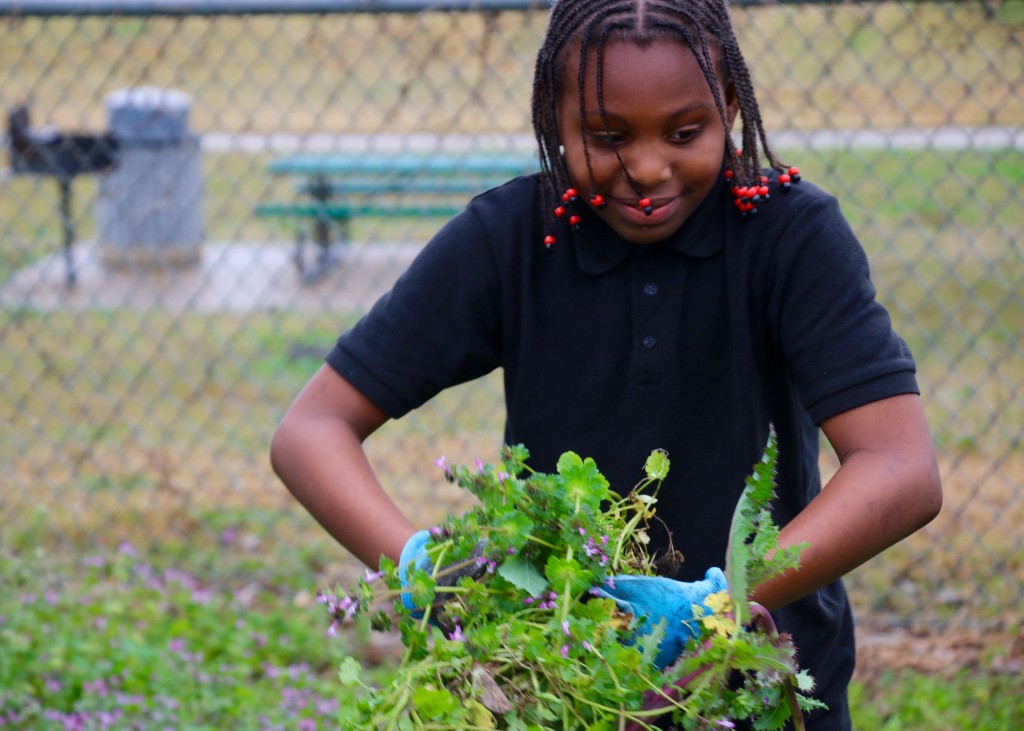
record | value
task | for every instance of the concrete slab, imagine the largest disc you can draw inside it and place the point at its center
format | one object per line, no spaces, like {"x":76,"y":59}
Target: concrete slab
{"x":230,"y":277}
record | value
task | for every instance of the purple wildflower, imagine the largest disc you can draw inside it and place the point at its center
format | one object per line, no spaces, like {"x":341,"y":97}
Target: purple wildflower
{"x":372,"y":576}
{"x":565,"y":628}
{"x":457,"y":635}
{"x":328,"y":706}
{"x":565,"y":651}
{"x":442,"y":463}
{"x":479,"y":465}
{"x":348,"y":605}
{"x":98,"y":686}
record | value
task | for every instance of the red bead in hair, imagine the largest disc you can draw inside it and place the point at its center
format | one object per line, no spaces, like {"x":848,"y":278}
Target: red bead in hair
{"x":549,"y":241}
{"x":645,"y":205}
{"x":597,"y":200}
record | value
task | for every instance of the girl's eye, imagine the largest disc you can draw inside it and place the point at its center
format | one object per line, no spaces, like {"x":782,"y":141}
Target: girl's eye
{"x":685,"y":135}
{"x":606,"y":139}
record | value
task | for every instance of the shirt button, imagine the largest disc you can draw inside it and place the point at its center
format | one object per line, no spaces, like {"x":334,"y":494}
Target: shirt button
{"x":650,"y":289}
{"x":650,"y":341}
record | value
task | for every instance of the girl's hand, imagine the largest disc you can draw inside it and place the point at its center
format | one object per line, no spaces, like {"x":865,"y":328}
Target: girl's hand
{"x":414,"y":556}
{"x":652,"y":599}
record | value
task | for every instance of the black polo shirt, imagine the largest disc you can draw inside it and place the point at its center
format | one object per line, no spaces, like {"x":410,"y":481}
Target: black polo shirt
{"x":694,"y":345}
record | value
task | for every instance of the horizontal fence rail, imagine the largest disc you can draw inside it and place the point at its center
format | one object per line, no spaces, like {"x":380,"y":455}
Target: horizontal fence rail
{"x":295,"y":7}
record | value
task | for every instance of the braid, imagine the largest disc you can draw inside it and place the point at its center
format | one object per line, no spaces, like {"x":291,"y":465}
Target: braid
{"x":704,"y":26}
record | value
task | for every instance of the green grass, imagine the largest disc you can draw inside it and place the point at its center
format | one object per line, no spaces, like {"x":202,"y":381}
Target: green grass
{"x":181,"y":639}
{"x":970,"y":701}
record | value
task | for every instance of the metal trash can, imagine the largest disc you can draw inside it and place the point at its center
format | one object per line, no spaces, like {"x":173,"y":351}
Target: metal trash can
{"x":149,"y":211}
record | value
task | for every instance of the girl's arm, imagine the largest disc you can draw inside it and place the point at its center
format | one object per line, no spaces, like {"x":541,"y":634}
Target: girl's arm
{"x":887,"y":487}
{"x":317,"y":451}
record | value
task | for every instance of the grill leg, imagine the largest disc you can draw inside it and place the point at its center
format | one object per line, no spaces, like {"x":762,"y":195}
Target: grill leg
{"x":68,"y":225}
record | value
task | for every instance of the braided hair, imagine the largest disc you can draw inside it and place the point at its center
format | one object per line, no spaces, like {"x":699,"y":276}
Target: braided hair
{"x":705,"y":26}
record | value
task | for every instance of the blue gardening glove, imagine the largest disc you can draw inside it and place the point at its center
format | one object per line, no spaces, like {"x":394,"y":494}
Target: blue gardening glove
{"x":414,"y":555}
{"x":653,"y":598}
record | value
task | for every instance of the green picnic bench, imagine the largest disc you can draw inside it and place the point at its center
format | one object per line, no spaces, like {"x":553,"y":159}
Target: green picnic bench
{"x":332,"y":190}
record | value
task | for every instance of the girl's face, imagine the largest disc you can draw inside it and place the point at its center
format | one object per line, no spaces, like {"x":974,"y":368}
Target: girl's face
{"x":663,"y":123}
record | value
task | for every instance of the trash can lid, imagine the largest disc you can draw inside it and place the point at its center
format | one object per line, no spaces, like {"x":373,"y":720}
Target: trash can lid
{"x":148,"y":113}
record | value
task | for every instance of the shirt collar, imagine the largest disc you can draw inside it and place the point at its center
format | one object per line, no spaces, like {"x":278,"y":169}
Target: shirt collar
{"x":599,"y":249}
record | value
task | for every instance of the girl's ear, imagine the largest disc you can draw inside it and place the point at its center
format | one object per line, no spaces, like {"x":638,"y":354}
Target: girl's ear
{"x":732,"y":105}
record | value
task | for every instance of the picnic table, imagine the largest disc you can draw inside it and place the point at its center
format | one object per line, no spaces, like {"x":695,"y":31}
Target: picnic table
{"x":331,"y":190}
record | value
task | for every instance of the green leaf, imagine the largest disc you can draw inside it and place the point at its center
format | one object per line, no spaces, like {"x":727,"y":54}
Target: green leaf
{"x":561,"y":571}
{"x":516,"y":527}
{"x":421,"y":588}
{"x":772,"y":718}
{"x":746,"y":520}
{"x":434,"y":703}
{"x":804,"y":681}
{"x":350,"y":672}
{"x":657,"y":465}
{"x":481,"y":717}
{"x":584,"y":483}
{"x":523,"y":574}
{"x":514,"y":458}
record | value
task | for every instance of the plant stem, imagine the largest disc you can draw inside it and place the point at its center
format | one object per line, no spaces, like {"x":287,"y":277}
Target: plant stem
{"x":567,"y":599}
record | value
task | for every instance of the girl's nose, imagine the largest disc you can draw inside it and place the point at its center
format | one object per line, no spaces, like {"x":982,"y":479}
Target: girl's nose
{"x":647,"y":167}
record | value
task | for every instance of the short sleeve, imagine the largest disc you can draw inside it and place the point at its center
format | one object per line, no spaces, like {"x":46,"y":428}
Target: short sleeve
{"x":438,"y":326}
{"x":836,"y":338}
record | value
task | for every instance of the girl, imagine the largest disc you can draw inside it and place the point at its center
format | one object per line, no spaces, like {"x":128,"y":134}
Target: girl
{"x":634,"y":301}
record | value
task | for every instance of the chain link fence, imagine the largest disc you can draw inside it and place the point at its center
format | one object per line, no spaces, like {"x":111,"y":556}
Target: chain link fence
{"x":142,"y":383}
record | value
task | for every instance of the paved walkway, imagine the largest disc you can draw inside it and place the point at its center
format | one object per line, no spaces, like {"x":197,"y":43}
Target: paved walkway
{"x":231,"y":277}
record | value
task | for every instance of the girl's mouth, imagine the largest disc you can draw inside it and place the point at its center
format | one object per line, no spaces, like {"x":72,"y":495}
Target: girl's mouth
{"x":661,"y":210}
